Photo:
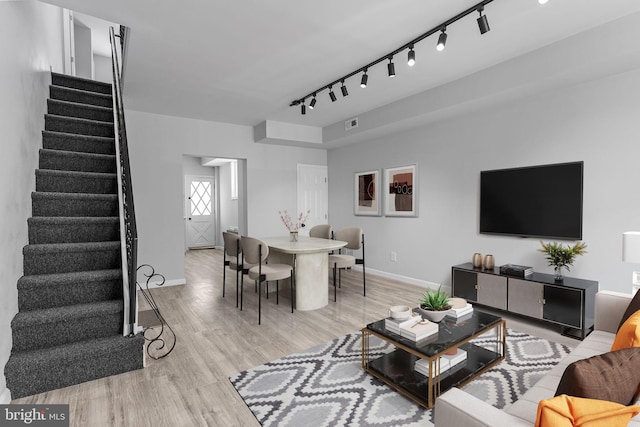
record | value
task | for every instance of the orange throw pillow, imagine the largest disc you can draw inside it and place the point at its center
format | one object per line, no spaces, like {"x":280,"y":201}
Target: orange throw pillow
{"x":629,"y":333}
{"x":568,"y":411}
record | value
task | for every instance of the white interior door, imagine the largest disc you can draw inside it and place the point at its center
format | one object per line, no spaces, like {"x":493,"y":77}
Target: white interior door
{"x":200,"y":211}
{"x":313,"y":194}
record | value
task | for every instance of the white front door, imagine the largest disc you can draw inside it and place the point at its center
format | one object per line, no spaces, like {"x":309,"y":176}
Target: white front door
{"x":313,"y":194}
{"x":200,"y":211}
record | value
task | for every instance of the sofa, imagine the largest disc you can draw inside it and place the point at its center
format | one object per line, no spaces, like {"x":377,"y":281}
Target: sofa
{"x":457,"y":408}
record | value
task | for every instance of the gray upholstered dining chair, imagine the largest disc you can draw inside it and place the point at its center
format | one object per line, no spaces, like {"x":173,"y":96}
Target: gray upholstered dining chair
{"x":355,"y":241}
{"x":322,"y":230}
{"x":255,"y":251}
{"x":232,"y":259}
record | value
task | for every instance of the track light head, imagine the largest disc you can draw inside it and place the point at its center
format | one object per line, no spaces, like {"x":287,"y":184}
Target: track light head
{"x":391,"y":69}
{"x":364,"y":79}
{"x":483,"y":23}
{"x":442,"y":40}
{"x":303,"y":108}
{"x":344,"y":90}
{"x":543,"y":1}
{"x":411,"y":57}
{"x":332,"y":95}
{"x":312,"y":104}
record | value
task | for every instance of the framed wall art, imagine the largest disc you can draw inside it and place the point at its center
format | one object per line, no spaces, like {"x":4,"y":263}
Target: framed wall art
{"x":367,"y":193}
{"x":400,"y":191}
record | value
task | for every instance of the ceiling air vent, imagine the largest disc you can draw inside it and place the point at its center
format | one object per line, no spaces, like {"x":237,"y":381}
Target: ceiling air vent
{"x":351,"y":123}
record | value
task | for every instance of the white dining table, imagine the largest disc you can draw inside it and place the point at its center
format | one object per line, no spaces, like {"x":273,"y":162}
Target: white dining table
{"x":311,"y":257}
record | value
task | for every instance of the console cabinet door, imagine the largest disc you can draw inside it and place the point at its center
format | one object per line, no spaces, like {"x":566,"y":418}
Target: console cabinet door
{"x":464,"y":285}
{"x":563,"y":305}
{"x":492,"y":290}
{"x":526,"y":297}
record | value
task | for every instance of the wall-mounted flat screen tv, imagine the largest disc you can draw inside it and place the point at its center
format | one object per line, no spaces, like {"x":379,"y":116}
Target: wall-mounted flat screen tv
{"x":537,"y":201}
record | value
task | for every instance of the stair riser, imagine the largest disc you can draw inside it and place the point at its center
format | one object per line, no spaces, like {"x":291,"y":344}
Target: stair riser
{"x":25,"y":379}
{"x":42,"y":206}
{"x":54,"y":141}
{"x":80,"y":111}
{"x":51,"y":334}
{"x":66,"y":262}
{"x":64,"y":94}
{"x":72,"y":82}
{"x":75,"y":184}
{"x":78,"y":126}
{"x":68,"y":294}
{"x":73,"y":233}
{"x":70,"y":162}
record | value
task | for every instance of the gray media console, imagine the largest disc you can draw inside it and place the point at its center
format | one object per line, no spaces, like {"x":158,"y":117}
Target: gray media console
{"x":568,"y":303}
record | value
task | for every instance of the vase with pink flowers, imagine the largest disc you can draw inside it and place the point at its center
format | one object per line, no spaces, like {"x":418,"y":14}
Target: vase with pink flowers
{"x":294,"y":226}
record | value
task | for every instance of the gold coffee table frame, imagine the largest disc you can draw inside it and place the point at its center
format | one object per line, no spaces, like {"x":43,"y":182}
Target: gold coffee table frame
{"x":417,"y":387}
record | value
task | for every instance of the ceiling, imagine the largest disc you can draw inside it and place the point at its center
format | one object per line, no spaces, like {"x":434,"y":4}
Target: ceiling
{"x":244,"y":61}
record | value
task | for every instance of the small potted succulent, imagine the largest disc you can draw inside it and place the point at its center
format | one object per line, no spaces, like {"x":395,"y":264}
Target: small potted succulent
{"x":559,"y":257}
{"x":434,"y":305}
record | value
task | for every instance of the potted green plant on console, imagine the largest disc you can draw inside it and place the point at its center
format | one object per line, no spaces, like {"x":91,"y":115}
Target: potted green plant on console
{"x":559,"y":257}
{"x":434,"y":305}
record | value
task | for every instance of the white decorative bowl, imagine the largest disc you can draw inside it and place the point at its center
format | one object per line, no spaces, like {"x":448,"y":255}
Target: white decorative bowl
{"x":434,"y":316}
{"x":400,"y":312}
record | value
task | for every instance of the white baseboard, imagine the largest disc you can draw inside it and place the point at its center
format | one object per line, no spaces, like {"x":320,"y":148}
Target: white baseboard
{"x":154,"y":284}
{"x":418,"y":282}
{"x":5,"y":397}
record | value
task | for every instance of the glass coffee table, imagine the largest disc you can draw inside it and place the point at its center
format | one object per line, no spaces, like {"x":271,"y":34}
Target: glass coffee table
{"x":397,"y":367}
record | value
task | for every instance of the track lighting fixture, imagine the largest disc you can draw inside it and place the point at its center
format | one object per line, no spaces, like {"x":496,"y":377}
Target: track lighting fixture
{"x":332,"y":95}
{"x":411,"y":57}
{"x":364,"y":79}
{"x":441,"y":30}
{"x":442,"y":40}
{"x":303,"y":108}
{"x":543,"y":1}
{"x":483,"y":24}
{"x":391,"y":69}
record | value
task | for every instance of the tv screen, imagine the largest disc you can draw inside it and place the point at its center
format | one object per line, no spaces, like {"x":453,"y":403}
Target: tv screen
{"x":537,"y":201}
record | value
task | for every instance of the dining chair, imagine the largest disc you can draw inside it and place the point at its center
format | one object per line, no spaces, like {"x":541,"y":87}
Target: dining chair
{"x":232,"y":259}
{"x":322,"y":230}
{"x":340,"y":261}
{"x":256,"y":252}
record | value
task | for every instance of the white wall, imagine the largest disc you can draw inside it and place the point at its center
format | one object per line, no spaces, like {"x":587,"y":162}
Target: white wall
{"x":228,"y":206}
{"x":596,"y":122}
{"x":156,"y":145}
{"x":102,"y":68}
{"x":30,"y":36}
{"x":83,"y":50}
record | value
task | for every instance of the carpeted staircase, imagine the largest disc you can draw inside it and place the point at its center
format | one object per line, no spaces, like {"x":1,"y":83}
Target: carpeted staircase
{"x":69,"y":326}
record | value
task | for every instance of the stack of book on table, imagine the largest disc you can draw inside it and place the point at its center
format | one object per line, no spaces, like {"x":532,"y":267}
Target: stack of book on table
{"x":413,"y":328}
{"x":446,"y":363}
{"x":394,"y":325}
{"x":460,"y":307}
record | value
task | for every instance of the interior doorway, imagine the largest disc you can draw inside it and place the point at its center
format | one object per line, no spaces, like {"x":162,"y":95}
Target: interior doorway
{"x":313,"y":194}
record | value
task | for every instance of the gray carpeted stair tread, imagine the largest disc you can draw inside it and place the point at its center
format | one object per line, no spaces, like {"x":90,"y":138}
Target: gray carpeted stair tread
{"x":29,"y":319}
{"x":48,"y":180}
{"x":81,"y":96}
{"x":81,"y":143}
{"x":41,"y":370}
{"x":75,"y":161}
{"x":75,"y":125}
{"x":83,"y":111}
{"x":55,"y":326}
{"x":74,"y":204}
{"x":82,"y":287}
{"x":49,"y":258}
{"x":80,"y":83}
{"x":73,"y":229}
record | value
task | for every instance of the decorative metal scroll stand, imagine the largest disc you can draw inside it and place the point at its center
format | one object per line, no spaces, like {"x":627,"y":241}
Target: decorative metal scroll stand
{"x":163,"y":340}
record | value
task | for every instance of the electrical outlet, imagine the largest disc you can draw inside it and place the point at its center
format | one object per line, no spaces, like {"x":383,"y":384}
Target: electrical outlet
{"x":394,"y":256}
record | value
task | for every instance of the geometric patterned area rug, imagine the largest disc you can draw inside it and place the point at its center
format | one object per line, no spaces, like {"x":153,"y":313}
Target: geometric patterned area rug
{"x":326,"y":386}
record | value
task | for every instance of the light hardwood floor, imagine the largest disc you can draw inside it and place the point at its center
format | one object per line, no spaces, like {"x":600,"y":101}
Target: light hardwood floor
{"x":190,"y":387}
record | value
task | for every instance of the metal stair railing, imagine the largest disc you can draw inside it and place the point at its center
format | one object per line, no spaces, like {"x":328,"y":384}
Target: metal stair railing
{"x":128,"y":229}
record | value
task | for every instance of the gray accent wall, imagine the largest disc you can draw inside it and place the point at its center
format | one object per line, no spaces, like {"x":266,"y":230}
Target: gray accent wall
{"x":30,"y":34}
{"x":596,"y":122}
